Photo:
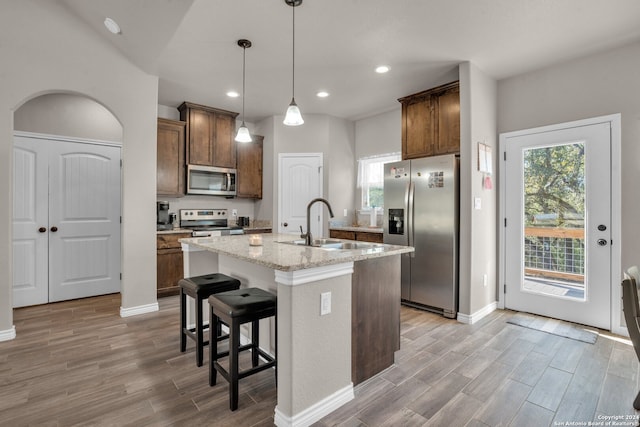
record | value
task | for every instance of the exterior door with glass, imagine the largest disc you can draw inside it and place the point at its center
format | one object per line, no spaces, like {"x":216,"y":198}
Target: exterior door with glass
{"x":557,"y":239}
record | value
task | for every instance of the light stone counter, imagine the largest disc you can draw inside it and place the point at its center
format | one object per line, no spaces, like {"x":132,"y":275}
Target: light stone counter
{"x":276,"y":255}
{"x":314,"y":342}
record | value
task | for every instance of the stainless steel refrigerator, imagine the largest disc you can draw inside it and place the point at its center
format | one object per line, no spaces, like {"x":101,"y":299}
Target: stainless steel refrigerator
{"x":421,"y":209}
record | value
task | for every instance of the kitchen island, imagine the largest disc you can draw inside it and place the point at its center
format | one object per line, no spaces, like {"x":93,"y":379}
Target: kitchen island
{"x":355,"y":285}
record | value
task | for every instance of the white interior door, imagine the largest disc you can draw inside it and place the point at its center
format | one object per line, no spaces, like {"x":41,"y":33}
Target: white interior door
{"x":300,"y":177}
{"x":30,"y":223}
{"x":84,"y":207}
{"x":66,"y":220}
{"x":558,"y":223}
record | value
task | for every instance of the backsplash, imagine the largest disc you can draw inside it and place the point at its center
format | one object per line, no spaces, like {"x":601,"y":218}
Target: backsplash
{"x":361,"y":218}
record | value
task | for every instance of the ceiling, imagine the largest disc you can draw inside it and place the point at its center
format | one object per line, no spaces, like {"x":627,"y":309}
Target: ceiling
{"x":192,"y":46}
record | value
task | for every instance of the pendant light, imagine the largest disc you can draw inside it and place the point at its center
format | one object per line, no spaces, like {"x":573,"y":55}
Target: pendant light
{"x":293,"y":116}
{"x":243,"y":134}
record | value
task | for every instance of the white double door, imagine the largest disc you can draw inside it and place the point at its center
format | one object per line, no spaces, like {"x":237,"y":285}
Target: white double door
{"x":66,"y":220}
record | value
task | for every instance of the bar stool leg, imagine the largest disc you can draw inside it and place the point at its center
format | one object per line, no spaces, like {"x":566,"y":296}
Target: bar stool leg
{"x":234,"y":343}
{"x":199,"y":337}
{"x":213,"y":347}
{"x":255,"y":333}
{"x":183,"y":321}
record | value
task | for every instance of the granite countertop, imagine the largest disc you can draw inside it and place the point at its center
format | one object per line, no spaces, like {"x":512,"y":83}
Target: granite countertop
{"x":281,"y":256}
{"x":357,"y":228}
{"x":247,"y":230}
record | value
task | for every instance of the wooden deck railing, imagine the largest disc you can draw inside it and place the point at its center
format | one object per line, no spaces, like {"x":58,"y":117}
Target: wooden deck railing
{"x":560,"y":272}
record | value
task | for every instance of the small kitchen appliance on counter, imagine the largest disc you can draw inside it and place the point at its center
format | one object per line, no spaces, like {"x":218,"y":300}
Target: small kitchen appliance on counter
{"x":207,"y":222}
{"x":163,"y":220}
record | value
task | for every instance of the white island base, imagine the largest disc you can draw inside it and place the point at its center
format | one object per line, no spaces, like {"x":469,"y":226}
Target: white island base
{"x":314,"y":352}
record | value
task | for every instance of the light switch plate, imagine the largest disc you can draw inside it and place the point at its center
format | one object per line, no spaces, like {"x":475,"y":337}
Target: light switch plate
{"x":325,"y":303}
{"x":477,"y":203}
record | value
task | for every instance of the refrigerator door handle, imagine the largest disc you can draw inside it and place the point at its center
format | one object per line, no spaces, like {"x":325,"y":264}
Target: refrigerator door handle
{"x":411,"y":192}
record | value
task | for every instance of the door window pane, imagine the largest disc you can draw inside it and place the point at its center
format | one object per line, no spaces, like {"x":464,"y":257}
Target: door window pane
{"x":554,"y":216}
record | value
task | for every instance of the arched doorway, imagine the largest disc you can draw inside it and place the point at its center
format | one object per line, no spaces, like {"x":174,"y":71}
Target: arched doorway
{"x":67,"y":192}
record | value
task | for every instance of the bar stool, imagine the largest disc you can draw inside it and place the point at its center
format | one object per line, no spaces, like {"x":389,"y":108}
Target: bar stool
{"x":200,"y":288}
{"x":235,"y":308}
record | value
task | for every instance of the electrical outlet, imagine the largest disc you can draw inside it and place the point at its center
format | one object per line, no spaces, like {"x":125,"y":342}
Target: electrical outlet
{"x":485,"y":280}
{"x":325,"y":303}
{"x":234,"y":212}
{"x":345,"y":212}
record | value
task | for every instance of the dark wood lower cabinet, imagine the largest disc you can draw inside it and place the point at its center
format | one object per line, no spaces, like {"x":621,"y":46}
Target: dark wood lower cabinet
{"x":170,"y":266}
{"x":375,"y":313}
{"x":363,"y":236}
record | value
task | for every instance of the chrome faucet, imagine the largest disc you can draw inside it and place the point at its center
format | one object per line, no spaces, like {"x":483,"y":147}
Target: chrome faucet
{"x":307,"y":236}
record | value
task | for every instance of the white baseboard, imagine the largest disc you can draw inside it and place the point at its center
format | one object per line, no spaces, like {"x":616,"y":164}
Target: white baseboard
{"x":316,"y":411}
{"x":471,"y":319}
{"x":8,"y":334}
{"x":141,"y":309}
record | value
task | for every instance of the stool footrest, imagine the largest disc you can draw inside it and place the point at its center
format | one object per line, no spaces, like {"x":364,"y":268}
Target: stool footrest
{"x":192,"y":333}
{"x":246,"y":372}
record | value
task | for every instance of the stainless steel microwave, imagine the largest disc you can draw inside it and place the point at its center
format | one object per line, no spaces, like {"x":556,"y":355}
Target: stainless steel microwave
{"x":211,"y":181}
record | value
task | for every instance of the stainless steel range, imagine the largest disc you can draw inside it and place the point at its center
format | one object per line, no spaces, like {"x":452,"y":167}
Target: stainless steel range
{"x":207,"y":222}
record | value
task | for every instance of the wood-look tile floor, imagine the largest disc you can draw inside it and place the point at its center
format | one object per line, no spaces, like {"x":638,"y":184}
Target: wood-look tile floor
{"x":80,"y":363}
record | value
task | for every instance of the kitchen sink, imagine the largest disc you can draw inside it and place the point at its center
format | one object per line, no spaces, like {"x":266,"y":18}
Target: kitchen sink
{"x":335,"y":244}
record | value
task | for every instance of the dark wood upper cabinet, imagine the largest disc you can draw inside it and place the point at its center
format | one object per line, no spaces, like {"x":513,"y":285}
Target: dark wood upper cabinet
{"x":170,"y":158}
{"x":431,"y":122}
{"x":209,"y":136}
{"x":249,"y":157}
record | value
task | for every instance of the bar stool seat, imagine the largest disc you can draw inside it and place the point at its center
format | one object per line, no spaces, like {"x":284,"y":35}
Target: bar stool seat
{"x":235,"y":308}
{"x":200,"y":288}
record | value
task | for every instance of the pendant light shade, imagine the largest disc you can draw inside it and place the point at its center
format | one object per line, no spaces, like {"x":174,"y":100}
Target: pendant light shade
{"x":293,"y":116}
{"x":243,"y":134}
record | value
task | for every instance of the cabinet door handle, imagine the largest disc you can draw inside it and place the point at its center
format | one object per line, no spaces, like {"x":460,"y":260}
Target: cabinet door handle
{"x":42,"y":229}
{"x":285,"y":224}
{"x":54,"y":229}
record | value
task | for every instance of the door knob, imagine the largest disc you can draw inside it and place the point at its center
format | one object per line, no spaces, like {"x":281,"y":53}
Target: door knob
{"x":602,"y":242}
{"x":285,"y":224}
{"x":54,"y":229}
{"x":42,"y":229}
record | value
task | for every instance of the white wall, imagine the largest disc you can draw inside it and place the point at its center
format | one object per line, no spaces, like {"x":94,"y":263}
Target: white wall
{"x":73,"y":60}
{"x":379,"y":134}
{"x":478,"y":232}
{"x":69,"y":115}
{"x":341,"y":169}
{"x":593,"y":86}
{"x":331,"y":136}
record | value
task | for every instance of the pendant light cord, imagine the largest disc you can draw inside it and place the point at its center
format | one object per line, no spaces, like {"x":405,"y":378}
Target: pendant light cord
{"x":244,"y":54}
{"x":293,"y":50}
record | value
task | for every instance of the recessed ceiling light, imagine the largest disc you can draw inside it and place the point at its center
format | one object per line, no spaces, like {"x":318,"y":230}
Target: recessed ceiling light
{"x":112,"y":26}
{"x":233,"y":94}
{"x":382,"y":69}
{"x":322,"y":94}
